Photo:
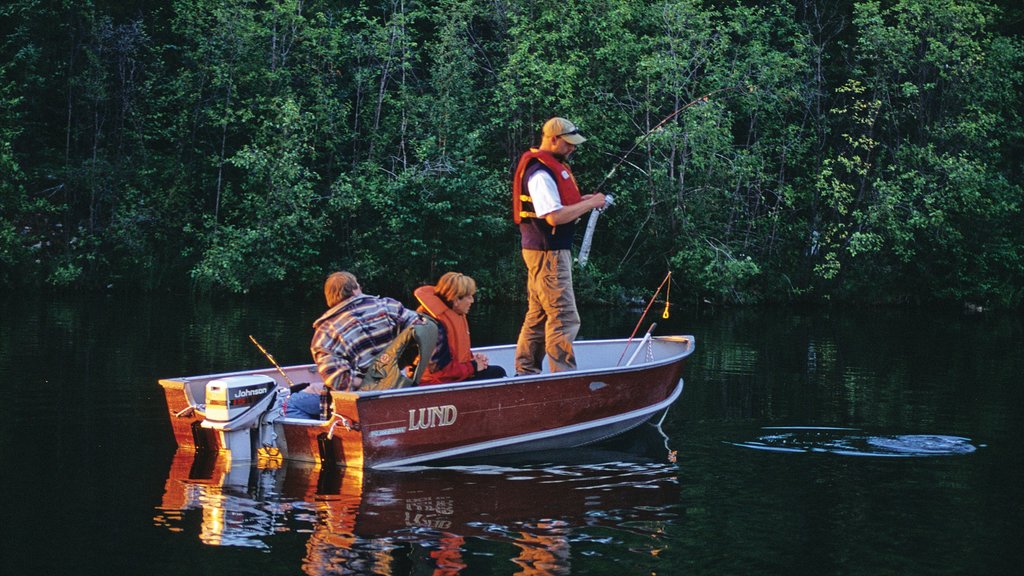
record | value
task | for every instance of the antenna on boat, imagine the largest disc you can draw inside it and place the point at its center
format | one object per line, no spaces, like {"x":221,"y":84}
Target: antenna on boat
{"x":644,"y":315}
{"x":272,"y":361}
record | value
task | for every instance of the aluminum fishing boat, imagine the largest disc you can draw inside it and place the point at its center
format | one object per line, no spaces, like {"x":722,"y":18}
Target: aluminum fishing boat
{"x":618,"y":386}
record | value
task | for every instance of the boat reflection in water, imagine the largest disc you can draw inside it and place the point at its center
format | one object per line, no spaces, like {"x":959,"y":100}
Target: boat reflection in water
{"x":446,"y":519}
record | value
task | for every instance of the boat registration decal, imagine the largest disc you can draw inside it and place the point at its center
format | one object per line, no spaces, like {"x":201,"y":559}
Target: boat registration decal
{"x":432,"y":417}
{"x":388,"y":431}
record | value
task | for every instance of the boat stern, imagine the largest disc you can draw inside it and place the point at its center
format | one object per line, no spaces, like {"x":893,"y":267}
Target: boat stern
{"x":185,"y":415}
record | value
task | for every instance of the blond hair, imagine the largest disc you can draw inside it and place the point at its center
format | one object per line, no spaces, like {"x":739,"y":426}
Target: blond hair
{"x":339,"y":287}
{"x":454,"y":285}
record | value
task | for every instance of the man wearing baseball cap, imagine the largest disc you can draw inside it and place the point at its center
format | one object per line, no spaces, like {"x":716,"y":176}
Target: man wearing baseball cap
{"x":546,"y":203}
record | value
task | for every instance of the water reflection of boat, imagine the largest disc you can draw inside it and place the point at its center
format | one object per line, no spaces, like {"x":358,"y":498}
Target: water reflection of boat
{"x":359,"y":520}
{"x":238,"y":412}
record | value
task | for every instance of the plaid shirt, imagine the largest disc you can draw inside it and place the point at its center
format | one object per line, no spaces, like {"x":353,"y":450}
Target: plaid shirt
{"x":350,"y":335}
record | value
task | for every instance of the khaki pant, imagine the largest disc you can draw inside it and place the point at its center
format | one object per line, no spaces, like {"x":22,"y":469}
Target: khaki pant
{"x":551,"y":321}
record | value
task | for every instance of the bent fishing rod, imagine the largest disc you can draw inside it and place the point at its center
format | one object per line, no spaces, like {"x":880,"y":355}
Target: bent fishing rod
{"x":588,"y":236}
{"x":274,"y":362}
{"x":666,"y":120}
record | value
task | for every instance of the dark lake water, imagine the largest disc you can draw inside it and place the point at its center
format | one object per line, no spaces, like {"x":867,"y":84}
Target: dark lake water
{"x":827,"y":441}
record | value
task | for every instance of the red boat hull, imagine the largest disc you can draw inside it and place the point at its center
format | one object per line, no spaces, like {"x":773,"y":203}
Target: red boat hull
{"x":408,"y":426}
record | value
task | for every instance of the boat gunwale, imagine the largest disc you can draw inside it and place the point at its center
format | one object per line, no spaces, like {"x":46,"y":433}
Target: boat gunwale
{"x":490,"y":382}
{"x":544,"y":376}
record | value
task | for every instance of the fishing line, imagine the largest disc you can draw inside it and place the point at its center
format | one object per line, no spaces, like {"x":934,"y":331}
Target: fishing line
{"x":668,"y":291}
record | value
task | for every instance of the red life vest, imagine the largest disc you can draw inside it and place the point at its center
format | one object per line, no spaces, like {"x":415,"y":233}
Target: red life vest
{"x":457,"y":330}
{"x":568,"y":190}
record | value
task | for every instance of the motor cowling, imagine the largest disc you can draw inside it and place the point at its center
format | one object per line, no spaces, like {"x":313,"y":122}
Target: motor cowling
{"x":238,"y":401}
{"x":235,"y":407}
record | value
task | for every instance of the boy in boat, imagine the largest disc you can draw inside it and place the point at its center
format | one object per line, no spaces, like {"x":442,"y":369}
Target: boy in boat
{"x":546,"y":203}
{"x":348,"y":336}
{"x":453,"y":360}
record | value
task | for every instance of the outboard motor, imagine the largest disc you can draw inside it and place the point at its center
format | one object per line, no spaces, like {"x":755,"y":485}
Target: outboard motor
{"x":236,"y":406}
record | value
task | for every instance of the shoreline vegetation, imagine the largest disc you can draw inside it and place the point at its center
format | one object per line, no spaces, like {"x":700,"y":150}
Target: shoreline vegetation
{"x":847,"y":151}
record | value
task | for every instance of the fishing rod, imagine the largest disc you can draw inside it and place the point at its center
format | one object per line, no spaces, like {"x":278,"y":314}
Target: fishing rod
{"x":644,"y":315}
{"x":588,"y":236}
{"x":272,"y":361}
{"x":666,"y":120}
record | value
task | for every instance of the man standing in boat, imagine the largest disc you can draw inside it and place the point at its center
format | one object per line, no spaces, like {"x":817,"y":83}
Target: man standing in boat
{"x":546,"y":203}
{"x":354,"y":330}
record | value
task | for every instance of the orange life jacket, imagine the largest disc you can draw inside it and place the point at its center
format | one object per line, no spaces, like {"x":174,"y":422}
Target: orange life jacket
{"x":455,"y":325}
{"x":568,"y":190}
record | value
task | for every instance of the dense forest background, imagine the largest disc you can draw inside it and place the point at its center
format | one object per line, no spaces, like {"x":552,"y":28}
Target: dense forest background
{"x":863,"y":151}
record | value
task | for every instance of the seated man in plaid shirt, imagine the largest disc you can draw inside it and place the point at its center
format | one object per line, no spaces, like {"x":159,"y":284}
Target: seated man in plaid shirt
{"x":354,"y":330}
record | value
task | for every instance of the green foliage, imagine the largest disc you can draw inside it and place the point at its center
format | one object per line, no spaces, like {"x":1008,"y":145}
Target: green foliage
{"x":863,"y":150}
{"x":711,"y":269}
{"x":842,"y":183}
{"x":264,"y":232}
{"x":920,"y":194}
{"x":11,"y":192}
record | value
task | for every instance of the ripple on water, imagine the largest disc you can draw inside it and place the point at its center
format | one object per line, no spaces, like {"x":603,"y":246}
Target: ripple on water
{"x":855,"y":442}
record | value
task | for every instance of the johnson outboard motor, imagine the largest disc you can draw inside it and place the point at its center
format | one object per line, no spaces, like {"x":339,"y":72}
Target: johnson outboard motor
{"x":236,"y":406}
